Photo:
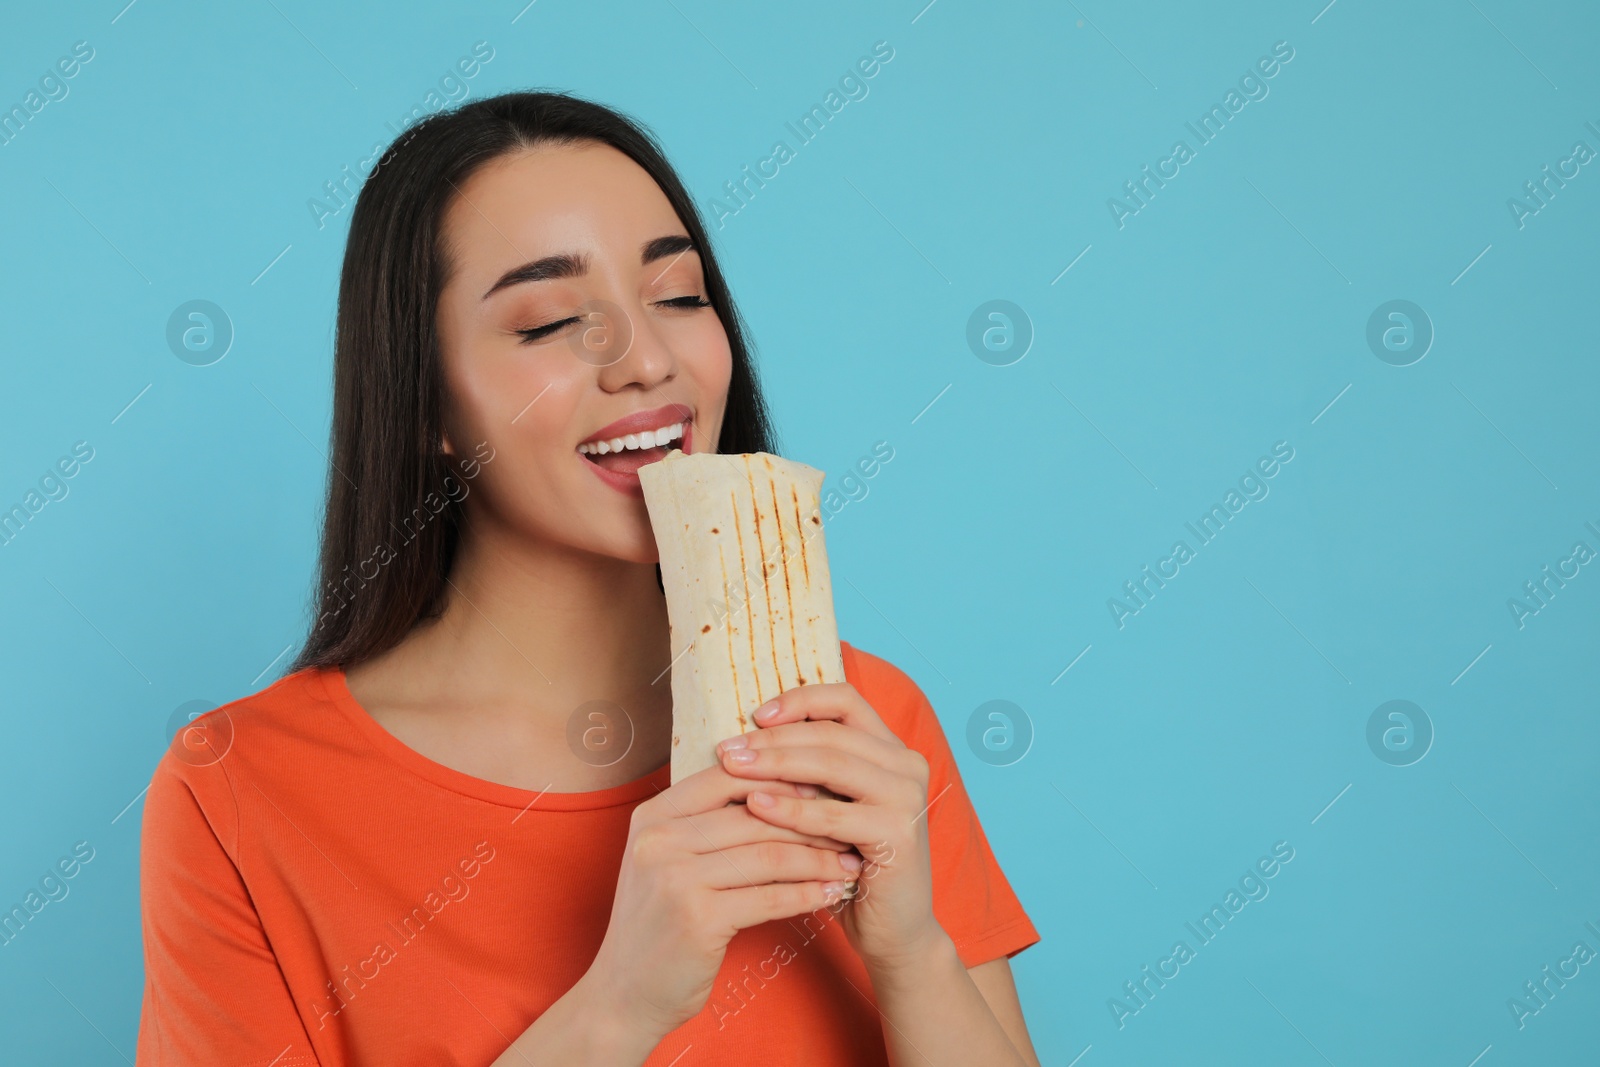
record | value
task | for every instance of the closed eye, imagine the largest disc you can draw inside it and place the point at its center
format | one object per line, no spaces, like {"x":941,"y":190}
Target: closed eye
{"x":539,"y":333}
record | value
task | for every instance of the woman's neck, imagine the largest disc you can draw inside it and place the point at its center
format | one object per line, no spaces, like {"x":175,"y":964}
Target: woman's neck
{"x":556,"y":621}
{"x":525,"y":641}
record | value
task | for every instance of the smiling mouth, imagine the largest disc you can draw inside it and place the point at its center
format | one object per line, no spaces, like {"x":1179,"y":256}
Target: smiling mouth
{"x":626,"y":454}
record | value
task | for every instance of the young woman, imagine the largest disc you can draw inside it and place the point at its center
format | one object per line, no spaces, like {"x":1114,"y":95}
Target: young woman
{"x":448,"y":835}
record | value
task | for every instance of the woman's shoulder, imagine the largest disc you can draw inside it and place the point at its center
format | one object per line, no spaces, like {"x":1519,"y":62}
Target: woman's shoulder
{"x":209,"y":783}
{"x":275,"y":730}
{"x":873,"y":669}
{"x":893,"y":694}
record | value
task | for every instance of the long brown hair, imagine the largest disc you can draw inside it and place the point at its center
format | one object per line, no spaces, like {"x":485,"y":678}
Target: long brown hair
{"x":386,"y":465}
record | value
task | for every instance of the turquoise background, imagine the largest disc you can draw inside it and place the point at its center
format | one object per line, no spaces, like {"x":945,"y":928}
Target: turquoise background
{"x":1231,"y":713}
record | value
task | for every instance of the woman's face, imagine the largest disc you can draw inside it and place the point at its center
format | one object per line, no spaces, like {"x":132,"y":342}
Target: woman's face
{"x":575,"y":300}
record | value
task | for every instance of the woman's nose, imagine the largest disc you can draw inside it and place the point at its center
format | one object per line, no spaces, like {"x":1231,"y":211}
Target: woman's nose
{"x":623,"y":345}
{"x":604,"y":334}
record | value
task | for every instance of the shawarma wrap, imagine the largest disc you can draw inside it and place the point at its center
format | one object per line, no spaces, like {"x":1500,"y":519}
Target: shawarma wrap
{"x":749,"y":596}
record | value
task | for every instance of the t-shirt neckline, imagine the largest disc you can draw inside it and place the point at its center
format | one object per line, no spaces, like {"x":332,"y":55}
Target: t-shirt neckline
{"x":338,"y":690}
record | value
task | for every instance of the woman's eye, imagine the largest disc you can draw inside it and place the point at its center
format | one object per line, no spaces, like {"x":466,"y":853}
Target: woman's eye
{"x":539,"y":333}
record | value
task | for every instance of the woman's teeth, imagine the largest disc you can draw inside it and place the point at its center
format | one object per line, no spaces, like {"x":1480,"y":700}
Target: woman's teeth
{"x":634,"y":441}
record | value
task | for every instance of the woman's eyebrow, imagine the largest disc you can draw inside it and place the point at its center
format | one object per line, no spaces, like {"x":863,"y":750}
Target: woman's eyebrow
{"x":564,"y":265}
{"x":572,"y":265}
{"x":662,"y":247}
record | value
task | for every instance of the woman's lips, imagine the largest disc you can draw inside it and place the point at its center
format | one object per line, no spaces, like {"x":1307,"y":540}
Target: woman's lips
{"x":640,"y":421}
{"x":622,"y":469}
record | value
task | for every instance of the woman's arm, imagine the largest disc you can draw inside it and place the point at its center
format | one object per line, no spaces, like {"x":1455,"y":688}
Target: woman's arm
{"x":582,"y":1027}
{"x":935,"y":1012}
{"x":999,"y":990}
{"x":214,"y":991}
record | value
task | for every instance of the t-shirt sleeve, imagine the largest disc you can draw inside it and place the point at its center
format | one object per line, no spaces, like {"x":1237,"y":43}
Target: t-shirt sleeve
{"x":214,"y":993}
{"x":972,"y":900}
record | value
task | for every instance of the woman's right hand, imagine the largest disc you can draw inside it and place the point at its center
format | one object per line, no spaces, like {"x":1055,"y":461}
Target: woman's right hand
{"x":698,"y":868}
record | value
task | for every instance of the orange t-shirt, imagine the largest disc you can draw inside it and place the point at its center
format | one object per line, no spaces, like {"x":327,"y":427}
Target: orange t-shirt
{"x":323,"y":894}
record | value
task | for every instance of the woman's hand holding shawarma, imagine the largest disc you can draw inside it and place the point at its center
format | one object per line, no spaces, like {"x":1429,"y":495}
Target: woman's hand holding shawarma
{"x":829,"y":735}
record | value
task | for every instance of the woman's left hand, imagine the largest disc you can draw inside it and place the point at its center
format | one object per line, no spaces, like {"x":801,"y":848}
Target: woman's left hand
{"x":828,"y":734}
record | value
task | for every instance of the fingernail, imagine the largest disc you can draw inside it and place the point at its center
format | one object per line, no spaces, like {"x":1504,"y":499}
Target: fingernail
{"x":762,"y":800}
{"x":808,"y":791}
{"x":767,"y":710}
{"x":850,"y":861}
{"x":739,"y":755}
{"x":731,"y":743}
{"x":833,"y":890}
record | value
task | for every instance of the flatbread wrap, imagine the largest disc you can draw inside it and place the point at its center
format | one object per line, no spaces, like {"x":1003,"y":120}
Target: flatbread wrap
{"x":749,"y":595}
